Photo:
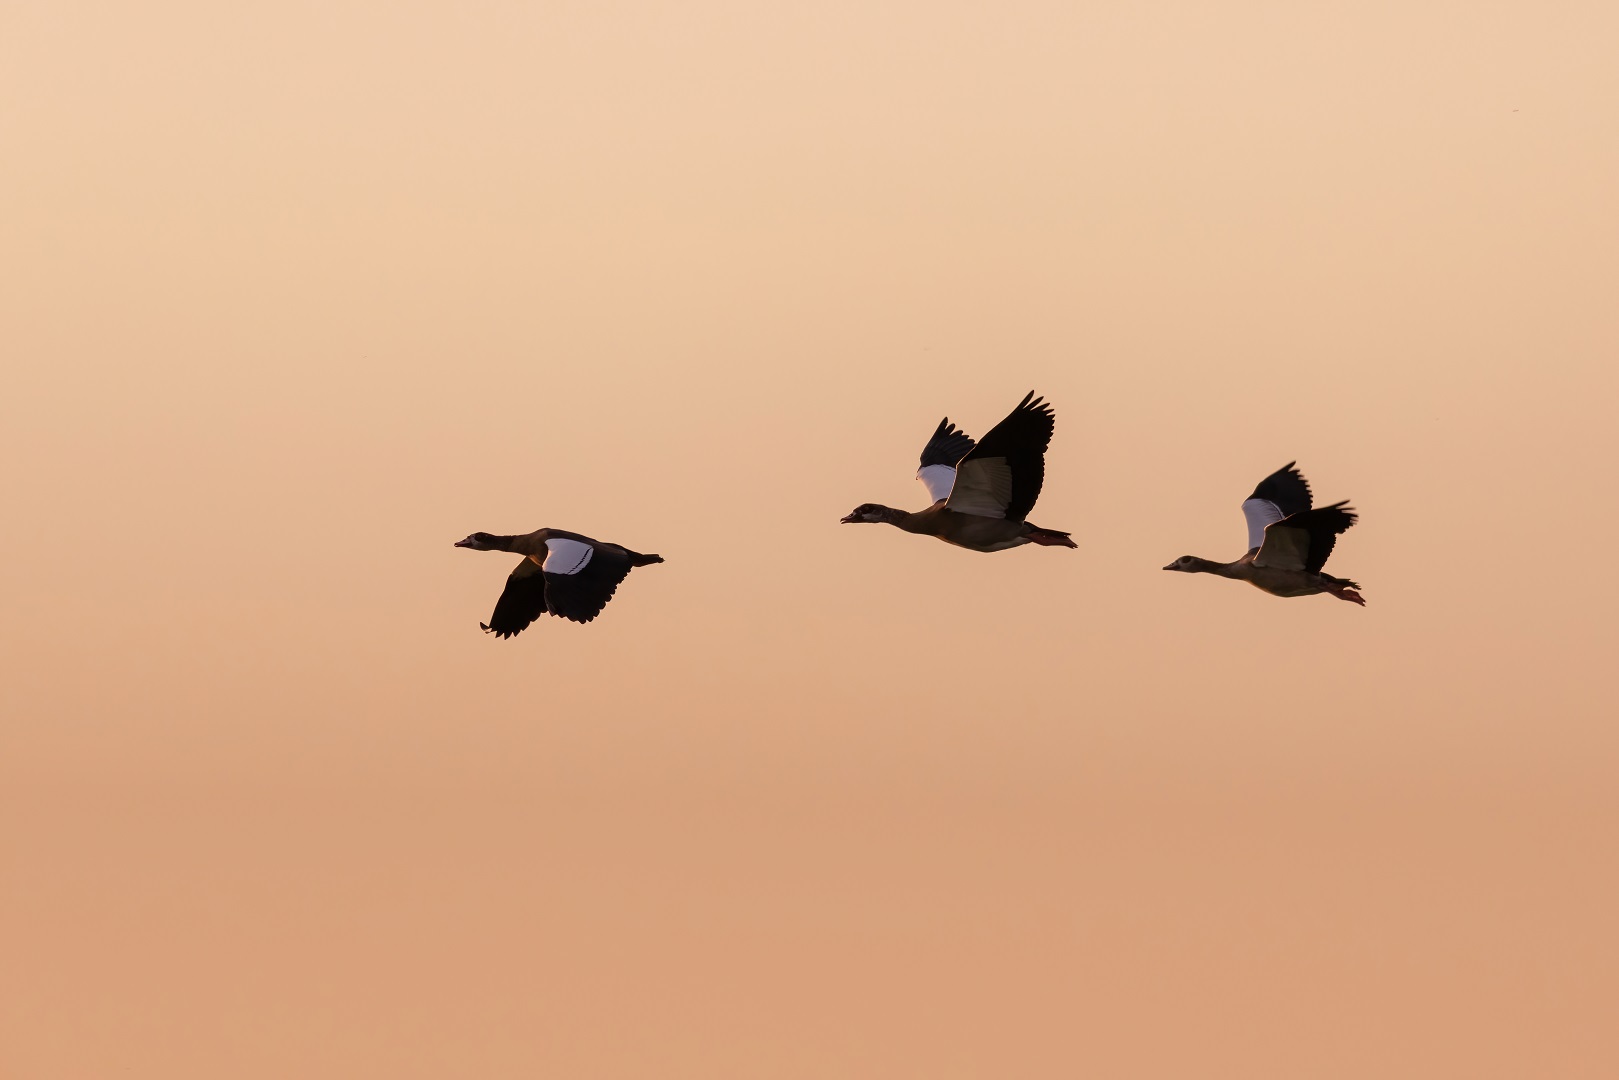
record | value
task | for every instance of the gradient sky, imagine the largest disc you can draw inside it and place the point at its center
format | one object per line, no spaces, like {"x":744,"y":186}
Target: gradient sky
{"x":294,"y":295}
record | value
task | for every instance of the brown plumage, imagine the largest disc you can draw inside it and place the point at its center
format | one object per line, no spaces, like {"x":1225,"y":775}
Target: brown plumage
{"x":562,"y":573}
{"x":982,"y":492}
{"x":1288,"y":542}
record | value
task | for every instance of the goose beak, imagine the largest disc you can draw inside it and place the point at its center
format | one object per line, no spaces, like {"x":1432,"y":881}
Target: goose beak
{"x":1171,"y":566}
{"x":464,"y":543}
{"x":849,"y":520}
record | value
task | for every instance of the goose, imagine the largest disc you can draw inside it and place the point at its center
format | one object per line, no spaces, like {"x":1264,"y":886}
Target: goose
{"x":1288,"y":543}
{"x":563,"y":573}
{"x":981,"y":492}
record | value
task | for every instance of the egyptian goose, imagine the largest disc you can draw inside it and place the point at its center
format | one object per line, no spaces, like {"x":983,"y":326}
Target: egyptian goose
{"x":981,"y":493}
{"x":1288,"y":543}
{"x":563,"y":573}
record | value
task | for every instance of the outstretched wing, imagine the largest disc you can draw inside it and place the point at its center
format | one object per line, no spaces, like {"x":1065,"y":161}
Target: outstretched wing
{"x":938,"y":472}
{"x":580,"y":578}
{"x":521,"y":603}
{"x":1281,"y":494}
{"x":1303,"y":541}
{"x":1001,"y":477}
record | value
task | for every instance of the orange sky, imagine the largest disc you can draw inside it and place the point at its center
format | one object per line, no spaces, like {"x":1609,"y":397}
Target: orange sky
{"x":294,"y":297}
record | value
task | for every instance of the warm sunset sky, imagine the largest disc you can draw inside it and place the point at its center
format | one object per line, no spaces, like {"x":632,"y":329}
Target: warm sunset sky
{"x":295,"y":294}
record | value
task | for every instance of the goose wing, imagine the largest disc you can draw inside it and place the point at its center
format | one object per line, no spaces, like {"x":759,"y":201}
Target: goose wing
{"x":581,"y":576}
{"x":948,"y":445}
{"x":1001,"y":477}
{"x":521,"y":603}
{"x":1281,"y":494}
{"x":1302,"y":541}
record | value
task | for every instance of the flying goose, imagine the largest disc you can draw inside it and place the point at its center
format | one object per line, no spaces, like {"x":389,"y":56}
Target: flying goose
{"x":1288,"y":543}
{"x":563,"y":573}
{"x":981,"y":493}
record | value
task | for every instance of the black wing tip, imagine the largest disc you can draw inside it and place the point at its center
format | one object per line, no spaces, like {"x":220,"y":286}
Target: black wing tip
{"x":1349,"y":513}
{"x":1287,"y":488}
{"x":1030,"y":403}
{"x":947,"y":430}
{"x":1291,"y":469}
{"x":1032,"y":416}
{"x":947,"y":445}
{"x":1338,"y":511}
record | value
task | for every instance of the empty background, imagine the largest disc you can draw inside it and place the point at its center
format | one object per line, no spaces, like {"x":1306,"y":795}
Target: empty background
{"x":294,"y":295}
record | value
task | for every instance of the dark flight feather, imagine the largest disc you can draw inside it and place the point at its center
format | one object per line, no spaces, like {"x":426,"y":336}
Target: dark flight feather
{"x":1322,"y":526}
{"x":580,"y":597}
{"x":1021,"y":439}
{"x":1287,"y":488}
{"x":948,"y":445}
{"x":520,"y":604}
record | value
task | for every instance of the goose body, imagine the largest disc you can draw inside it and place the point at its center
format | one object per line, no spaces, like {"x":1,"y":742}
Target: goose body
{"x":981,"y":492}
{"x":1288,"y":541}
{"x":562,"y":573}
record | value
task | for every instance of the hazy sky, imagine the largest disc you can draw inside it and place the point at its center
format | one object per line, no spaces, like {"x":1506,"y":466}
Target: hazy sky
{"x":294,"y":295}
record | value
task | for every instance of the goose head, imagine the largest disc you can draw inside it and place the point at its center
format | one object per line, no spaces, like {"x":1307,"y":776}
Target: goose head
{"x":478,"y":541}
{"x":1192,"y":564}
{"x":867,"y":513}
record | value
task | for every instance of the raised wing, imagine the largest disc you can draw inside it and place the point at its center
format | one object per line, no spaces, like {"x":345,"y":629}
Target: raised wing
{"x":580,"y":583}
{"x":521,"y":603}
{"x":948,"y":445}
{"x":1303,"y":541}
{"x":1283,"y":493}
{"x":1001,"y":477}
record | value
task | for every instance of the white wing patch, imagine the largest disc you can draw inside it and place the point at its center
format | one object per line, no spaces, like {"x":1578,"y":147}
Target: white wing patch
{"x":566,"y":556}
{"x":1260,"y":513}
{"x":983,"y":487}
{"x":1284,"y":549}
{"x":938,"y":479}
